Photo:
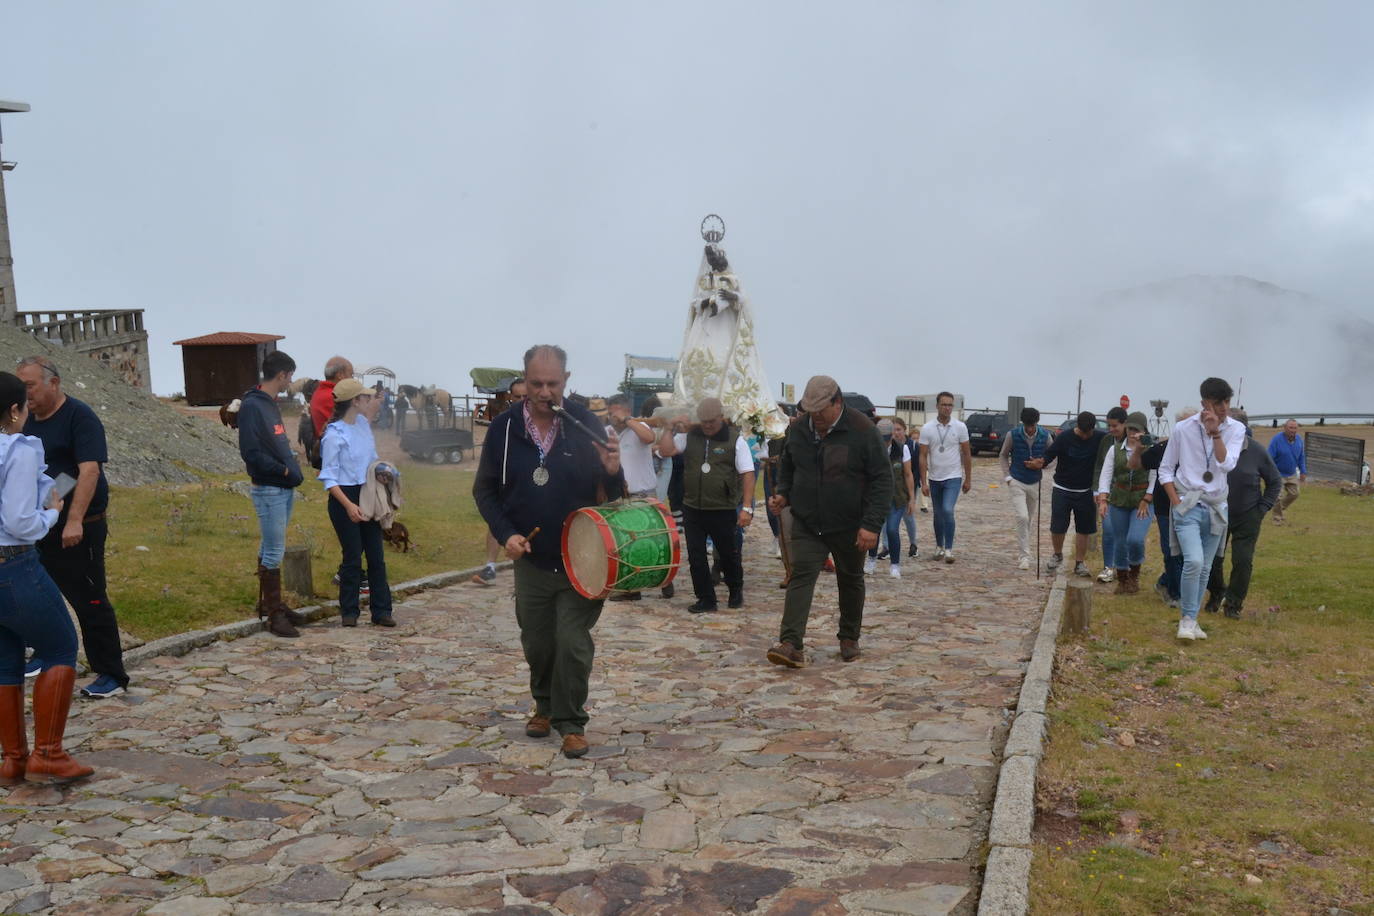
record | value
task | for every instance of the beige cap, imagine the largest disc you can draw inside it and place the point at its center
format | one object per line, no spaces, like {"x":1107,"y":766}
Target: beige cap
{"x":820,"y":391}
{"x":348,"y":389}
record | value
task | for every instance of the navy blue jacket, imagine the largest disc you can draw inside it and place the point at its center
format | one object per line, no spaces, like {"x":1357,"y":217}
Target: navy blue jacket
{"x":1076,"y":459}
{"x":511,"y":502}
{"x":264,"y":444}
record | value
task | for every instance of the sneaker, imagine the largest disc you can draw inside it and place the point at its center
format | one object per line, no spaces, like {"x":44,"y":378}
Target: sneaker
{"x":488,"y":573}
{"x":912,"y":551}
{"x":882,"y":554}
{"x":364,"y":588}
{"x":1162,"y":591}
{"x":870,"y":564}
{"x":1231,"y":610}
{"x":777,"y":549}
{"x":949,"y":555}
{"x":33,"y":667}
{"x":1185,"y":630}
{"x":1024,"y":564}
{"x":1197,"y":631}
{"x":1054,"y":562}
{"x":924,"y":509}
{"x":1172,"y":603}
{"x":102,"y":687}
{"x":1081,"y":569}
{"x":1107,"y":575}
{"x":895,"y":572}
{"x":938,"y":555}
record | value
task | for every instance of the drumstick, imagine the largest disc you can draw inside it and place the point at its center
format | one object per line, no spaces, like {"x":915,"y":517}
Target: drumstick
{"x":530,"y":536}
{"x":595,"y":436}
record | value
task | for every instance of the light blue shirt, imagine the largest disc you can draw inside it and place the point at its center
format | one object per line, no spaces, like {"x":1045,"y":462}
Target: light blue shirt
{"x":24,"y":490}
{"x":346,"y":452}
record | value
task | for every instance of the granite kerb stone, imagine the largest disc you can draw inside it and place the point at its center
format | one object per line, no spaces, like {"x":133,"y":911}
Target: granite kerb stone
{"x":1006,"y":879}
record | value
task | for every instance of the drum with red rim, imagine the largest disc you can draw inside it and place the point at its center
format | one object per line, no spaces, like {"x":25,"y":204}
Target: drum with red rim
{"x":629,"y":545}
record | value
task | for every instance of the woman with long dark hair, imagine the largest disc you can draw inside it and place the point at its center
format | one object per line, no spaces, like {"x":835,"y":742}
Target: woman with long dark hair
{"x":346,"y":452}
{"x":32,"y":612}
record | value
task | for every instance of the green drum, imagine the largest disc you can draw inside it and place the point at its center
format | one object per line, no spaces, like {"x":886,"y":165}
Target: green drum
{"x":625,"y":546}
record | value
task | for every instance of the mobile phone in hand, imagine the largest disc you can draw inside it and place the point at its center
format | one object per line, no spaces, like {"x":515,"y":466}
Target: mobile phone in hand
{"x":63,"y":484}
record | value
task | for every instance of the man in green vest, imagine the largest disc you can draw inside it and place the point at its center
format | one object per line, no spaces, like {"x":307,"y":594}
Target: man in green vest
{"x":718,"y":496}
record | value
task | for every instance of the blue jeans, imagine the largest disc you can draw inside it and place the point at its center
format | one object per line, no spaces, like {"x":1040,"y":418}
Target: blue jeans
{"x":892,"y":530}
{"x":910,"y":521}
{"x":1173,"y":564}
{"x":32,"y":613}
{"x":1194,"y":532}
{"x":273,"y":506}
{"x":1128,"y":537}
{"x":943,"y":495}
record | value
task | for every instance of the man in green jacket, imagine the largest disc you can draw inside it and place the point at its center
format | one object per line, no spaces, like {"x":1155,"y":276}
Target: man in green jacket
{"x":834,"y":475}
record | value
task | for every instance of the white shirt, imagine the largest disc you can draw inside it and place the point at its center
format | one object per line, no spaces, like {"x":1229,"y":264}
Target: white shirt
{"x":947,"y":464}
{"x":1190,"y":453}
{"x":744,"y":459}
{"x":1104,"y":479}
{"x":636,"y":460}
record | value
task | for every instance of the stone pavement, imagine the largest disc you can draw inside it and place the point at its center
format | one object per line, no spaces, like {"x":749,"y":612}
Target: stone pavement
{"x":353,"y":771}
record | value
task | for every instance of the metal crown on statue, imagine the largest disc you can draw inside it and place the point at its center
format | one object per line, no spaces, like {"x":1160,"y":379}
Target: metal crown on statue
{"x":712,"y":228}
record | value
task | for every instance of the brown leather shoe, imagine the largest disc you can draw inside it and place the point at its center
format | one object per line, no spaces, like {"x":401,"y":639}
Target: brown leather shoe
{"x":575,"y":746}
{"x":849,"y":649}
{"x":538,"y":726}
{"x":787,"y":655}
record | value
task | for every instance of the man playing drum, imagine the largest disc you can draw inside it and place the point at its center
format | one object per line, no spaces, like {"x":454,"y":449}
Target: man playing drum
{"x":534,"y":473}
{"x":718,"y":474}
{"x":636,"y":457}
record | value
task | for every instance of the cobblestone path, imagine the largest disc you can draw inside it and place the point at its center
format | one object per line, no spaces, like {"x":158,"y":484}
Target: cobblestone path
{"x":353,"y":771}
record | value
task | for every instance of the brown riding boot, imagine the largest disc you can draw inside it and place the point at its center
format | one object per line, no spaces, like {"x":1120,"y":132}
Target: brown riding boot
{"x":14,"y":736}
{"x":52,"y":698}
{"x":1134,"y":579}
{"x":278,"y":623}
{"x":265,"y":605}
{"x":1123,"y":583}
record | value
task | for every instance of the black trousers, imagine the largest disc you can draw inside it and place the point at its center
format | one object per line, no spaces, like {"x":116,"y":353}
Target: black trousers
{"x":357,"y":538}
{"x":79,"y":572}
{"x":719,"y":525}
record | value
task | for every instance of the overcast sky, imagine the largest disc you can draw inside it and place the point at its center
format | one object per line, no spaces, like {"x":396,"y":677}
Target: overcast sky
{"x":914,"y":192}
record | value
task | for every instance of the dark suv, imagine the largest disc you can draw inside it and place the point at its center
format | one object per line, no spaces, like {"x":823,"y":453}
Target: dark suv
{"x":985,"y":431}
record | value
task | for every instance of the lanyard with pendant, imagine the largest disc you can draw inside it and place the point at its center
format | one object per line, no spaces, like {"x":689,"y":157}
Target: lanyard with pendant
{"x":544,"y":444}
{"x":1207,"y":453}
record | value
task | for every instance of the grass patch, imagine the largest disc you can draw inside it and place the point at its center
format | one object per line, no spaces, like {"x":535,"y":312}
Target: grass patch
{"x":202,"y":540}
{"x":1175,"y":770}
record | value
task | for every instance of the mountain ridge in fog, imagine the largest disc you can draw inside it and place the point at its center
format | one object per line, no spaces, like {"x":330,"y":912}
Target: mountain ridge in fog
{"x":1294,"y":352}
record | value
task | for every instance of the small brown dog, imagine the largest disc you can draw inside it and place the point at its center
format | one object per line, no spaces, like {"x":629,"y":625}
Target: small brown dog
{"x":397,"y":536}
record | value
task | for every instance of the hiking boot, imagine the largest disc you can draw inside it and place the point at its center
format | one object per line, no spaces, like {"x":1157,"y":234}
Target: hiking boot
{"x":1213,"y":603}
{"x":736,"y":598}
{"x":1133,"y":580}
{"x":538,"y":726}
{"x":575,"y":746}
{"x":849,"y":649}
{"x":787,"y":655}
{"x":1231,"y":610}
{"x":703,"y":607}
{"x":1123,"y":583}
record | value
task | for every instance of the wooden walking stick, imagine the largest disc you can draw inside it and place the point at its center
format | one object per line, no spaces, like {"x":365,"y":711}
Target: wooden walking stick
{"x":1037,"y":530}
